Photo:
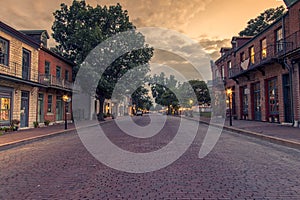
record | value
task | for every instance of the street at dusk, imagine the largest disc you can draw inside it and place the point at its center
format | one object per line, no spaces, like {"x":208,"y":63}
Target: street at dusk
{"x":239,"y":167}
{"x":150,"y":99}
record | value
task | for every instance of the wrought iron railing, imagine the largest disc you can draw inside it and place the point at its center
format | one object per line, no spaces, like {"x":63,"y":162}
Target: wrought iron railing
{"x":51,"y":80}
{"x":271,"y":52}
{"x":18,"y":70}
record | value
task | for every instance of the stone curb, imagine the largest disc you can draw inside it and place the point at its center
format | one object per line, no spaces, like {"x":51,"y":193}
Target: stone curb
{"x":272,"y":139}
{"x":17,"y":143}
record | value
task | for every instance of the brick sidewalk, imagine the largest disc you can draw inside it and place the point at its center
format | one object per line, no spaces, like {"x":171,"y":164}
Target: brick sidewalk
{"x":274,"y":131}
{"x":22,"y":136}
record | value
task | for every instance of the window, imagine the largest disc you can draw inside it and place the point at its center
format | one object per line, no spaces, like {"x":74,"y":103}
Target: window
{"x":229,"y":64}
{"x":273,"y":97}
{"x":26,"y":64}
{"x":245,"y":93}
{"x":66,"y":75}
{"x":252,"y":55}
{"x":223,"y":72}
{"x":58,"y":72}
{"x":5,"y":109}
{"x":47,"y":68}
{"x":3,"y":51}
{"x":49,"y":106}
{"x":263,"y":44}
{"x":242,"y":57}
{"x":279,"y":40}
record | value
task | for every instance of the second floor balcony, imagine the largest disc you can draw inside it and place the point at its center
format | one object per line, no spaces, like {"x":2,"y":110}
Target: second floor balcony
{"x":55,"y":82}
{"x":12,"y":70}
{"x":267,"y":56}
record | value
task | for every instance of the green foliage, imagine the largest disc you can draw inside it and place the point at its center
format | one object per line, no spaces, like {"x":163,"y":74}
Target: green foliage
{"x":141,"y":98}
{"x":36,"y":124}
{"x":164,"y":89}
{"x":201,"y":90}
{"x":47,"y":122}
{"x":255,"y":26}
{"x":78,"y":29}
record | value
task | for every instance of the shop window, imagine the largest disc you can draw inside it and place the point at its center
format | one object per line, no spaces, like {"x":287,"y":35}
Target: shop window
{"x":5,"y":110}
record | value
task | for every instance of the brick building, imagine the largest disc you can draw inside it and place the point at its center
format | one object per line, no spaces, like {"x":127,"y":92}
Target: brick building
{"x":33,"y":79}
{"x":18,"y":77}
{"x":263,"y":71}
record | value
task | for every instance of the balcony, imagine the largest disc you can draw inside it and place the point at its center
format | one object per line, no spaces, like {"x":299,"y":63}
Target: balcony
{"x":267,"y":56}
{"x":53,"y":81}
{"x":17,"y":72}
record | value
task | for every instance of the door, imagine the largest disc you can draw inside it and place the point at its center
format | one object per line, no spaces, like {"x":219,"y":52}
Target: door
{"x":26,"y":64}
{"x":24,"y":114}
{"x":59,"y":108}
{"x":256,"y":102}
{"x":244,"y":102}
{"x":287,"y":98}
{"x":41,"y":108}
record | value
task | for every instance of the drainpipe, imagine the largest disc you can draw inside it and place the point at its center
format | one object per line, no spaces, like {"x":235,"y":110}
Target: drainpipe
{"x":290,"y":69}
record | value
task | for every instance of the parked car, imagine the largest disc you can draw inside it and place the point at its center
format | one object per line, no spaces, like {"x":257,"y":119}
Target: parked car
{"x":139,"y":113}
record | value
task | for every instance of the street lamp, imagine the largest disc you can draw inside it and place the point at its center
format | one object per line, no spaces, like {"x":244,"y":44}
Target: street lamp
{"x":66,"y":99}
{"x":229,"y":94}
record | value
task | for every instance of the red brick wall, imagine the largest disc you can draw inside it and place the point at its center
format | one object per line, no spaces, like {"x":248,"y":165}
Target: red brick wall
{"x":54,"y":61}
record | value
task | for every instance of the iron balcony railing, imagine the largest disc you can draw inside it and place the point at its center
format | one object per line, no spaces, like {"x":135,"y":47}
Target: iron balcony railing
{"x":51,"y":80}
{"x":267,"y":55}
{"x":18,"y":70}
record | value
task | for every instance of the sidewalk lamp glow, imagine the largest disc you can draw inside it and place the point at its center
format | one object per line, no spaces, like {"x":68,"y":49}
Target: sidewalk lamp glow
{"x":229,"y":94}
{"x":66,"y":99}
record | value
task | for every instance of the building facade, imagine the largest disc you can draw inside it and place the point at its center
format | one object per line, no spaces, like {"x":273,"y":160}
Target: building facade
{"x":263,"y":71}
{"x":18,"y":77}
{"x":33,"y":79}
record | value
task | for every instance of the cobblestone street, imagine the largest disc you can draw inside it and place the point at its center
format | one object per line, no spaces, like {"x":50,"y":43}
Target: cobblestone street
{"x":239,"y":167}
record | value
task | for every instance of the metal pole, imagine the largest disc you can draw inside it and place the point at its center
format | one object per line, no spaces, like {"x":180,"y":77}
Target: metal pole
{"x":66,"y":123}
{"x":230,"y":114}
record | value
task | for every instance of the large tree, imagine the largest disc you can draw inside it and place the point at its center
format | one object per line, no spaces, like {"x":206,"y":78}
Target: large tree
{"x":141,"y":99}
{"x":80,"y":28}
{"x":255,"y":26}
{"x":164,"y":89}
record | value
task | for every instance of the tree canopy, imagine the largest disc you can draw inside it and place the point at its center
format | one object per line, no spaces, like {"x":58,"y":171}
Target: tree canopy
{"x":80,"y":28}
{"x":258,"y":24}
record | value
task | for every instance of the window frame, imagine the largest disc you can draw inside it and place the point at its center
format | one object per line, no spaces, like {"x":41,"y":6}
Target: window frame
{"x":49,"y":70}
{"x":6,"y":53}
{"x":49,"y":103}
{"x":252,"y":54}
{"x":263,"y":47}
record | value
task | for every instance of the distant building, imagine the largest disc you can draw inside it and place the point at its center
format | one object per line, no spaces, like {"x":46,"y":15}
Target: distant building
{"x":264,"y":71}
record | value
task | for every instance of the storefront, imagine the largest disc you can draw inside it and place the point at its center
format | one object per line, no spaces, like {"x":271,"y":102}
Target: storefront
{"x":5,"y":105}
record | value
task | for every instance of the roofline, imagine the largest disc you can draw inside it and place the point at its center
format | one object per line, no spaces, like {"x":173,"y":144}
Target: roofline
{"x":23,"y":31}
{"x":24,"y":38}
{"x":58,"y":56}
{"x":263,"y":31}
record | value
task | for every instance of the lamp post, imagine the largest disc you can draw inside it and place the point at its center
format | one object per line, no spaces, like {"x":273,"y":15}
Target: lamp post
{"x":66,"y":99}
{"x":229,"y":93}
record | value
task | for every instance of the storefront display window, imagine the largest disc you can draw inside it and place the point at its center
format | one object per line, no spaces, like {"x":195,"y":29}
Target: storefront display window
{"x":4,"y":109}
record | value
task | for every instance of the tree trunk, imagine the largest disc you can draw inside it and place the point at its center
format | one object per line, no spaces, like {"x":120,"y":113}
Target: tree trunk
{"x":100,"y":114}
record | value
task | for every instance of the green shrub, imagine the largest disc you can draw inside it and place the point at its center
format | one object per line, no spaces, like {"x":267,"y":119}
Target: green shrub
{"x":47,"y":122}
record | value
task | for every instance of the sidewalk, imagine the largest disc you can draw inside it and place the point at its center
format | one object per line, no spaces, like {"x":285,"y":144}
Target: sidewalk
{"x":20,"y":137}
{"x":273,"y":132}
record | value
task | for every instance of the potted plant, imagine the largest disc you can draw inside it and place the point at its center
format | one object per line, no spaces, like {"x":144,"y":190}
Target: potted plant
{"x":47,"y":122}
{"x":14,"y":125}
{"x":36,"y":124}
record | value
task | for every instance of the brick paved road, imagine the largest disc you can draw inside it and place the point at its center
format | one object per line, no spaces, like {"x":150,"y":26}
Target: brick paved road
{"x":238,"y":168}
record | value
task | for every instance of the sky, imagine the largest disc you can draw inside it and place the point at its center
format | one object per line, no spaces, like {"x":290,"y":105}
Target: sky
{"x":212,"y":23}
